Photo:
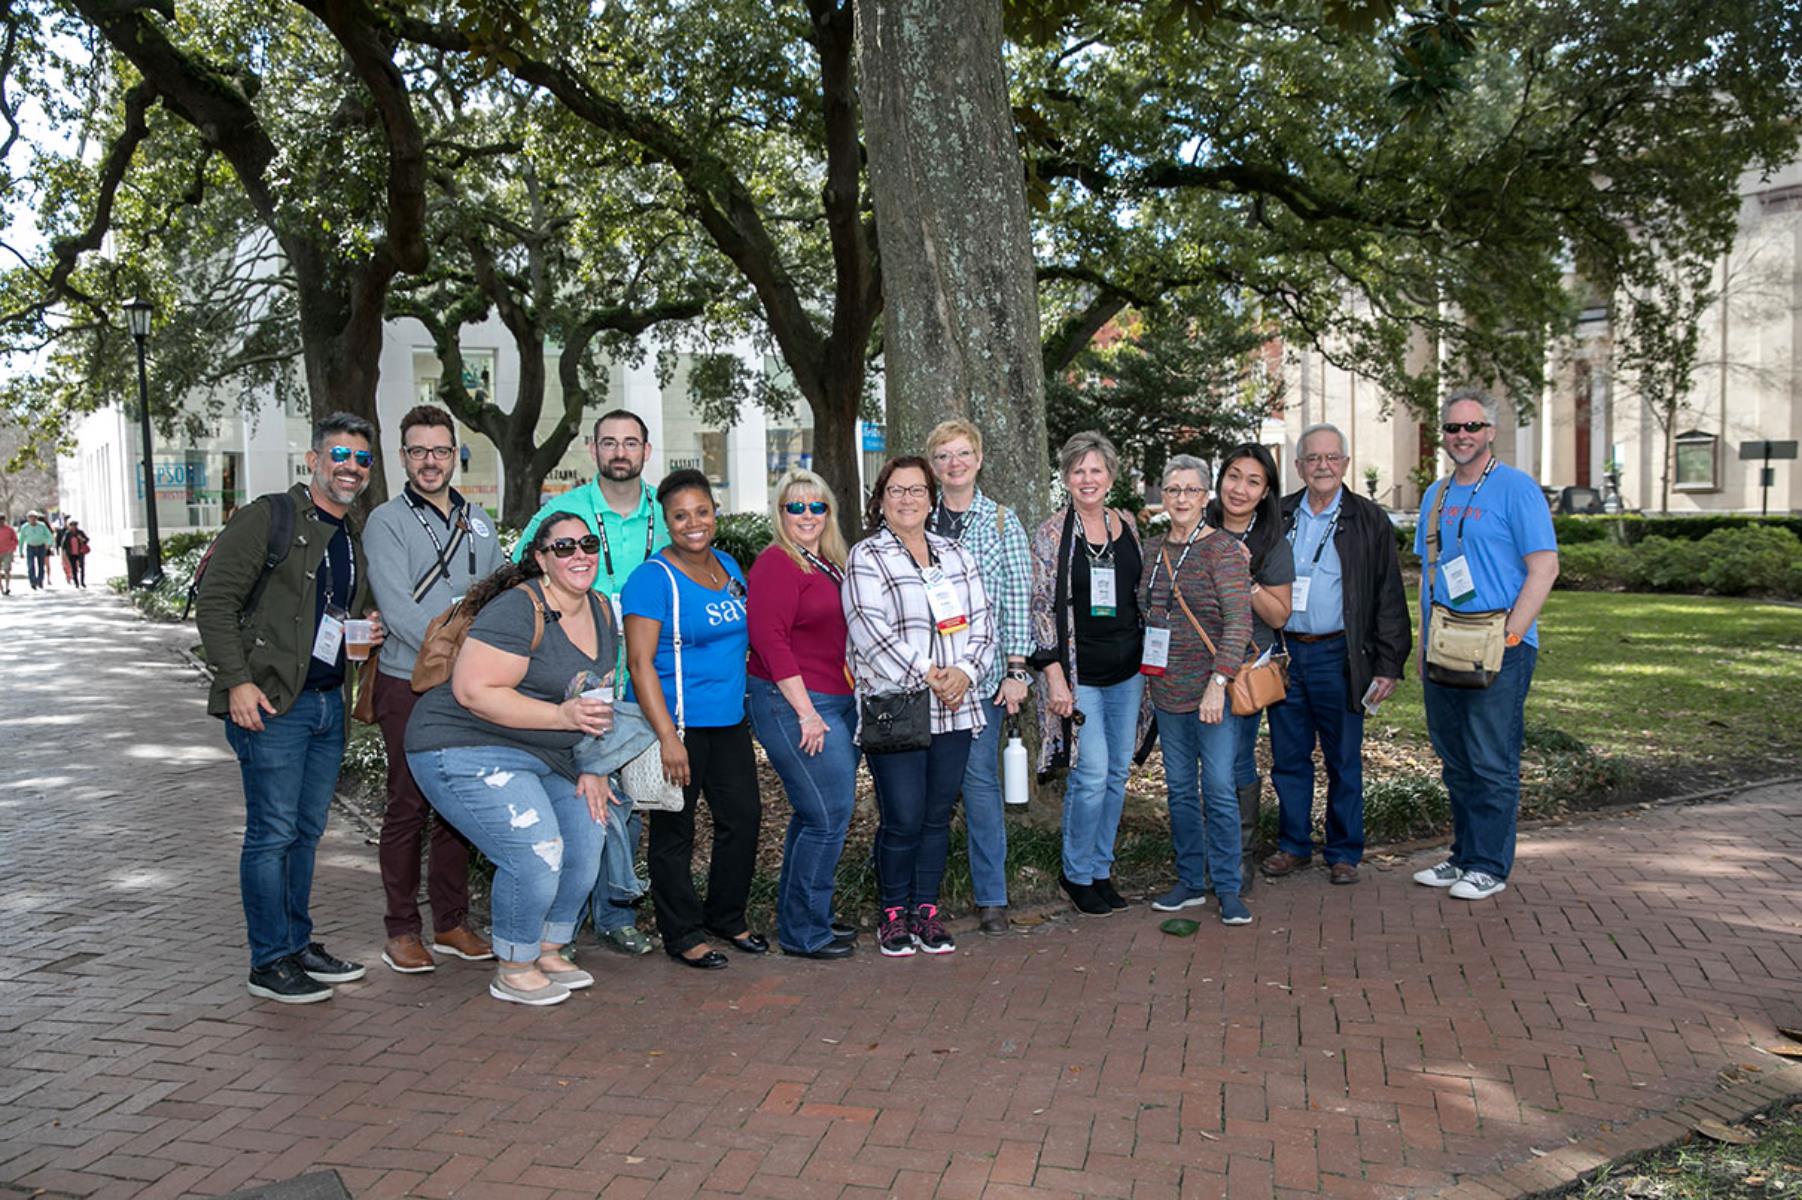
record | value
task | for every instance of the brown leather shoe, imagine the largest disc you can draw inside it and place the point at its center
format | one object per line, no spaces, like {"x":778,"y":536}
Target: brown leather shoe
{"x":463,"y":942}
{"x":1283,"y":863}
{"x":1345,"y":872}
{"x":992,"y":919}
{"x":407,"y":954}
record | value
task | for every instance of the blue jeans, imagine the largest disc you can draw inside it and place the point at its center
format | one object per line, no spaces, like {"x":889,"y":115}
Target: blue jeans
{"x":822,"y":789}
{"x":1477,"y":734}
{"x":1245,"y":746}
{"x":1096,"y":790}
{"x":1204,"y":807}
{"x":617,"y":886}
{"x":37,"y":568}
{"x":1316,"y":710}
{"x":289,"y":772}
{"x":984,"y":823}
{"x":915,"y":793}
{"x":533,"y":827}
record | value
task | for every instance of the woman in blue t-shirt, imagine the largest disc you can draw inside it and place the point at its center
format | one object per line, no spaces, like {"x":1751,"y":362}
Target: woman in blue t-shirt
{"x":692,"y":691}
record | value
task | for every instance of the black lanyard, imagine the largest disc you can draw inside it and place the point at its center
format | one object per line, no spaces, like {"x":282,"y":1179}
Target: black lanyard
{"x":1175,"y":571}
{"x":1331,"y":526}
{"x":825,"y":568}
{"x":1471,"y":500}
{"x":1107,"y":551}
{"x":351,"y":553}
{"x":459,"y":518}
{"x":650,"y":534}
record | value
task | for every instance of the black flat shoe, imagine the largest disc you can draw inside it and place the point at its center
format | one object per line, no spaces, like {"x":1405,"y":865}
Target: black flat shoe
{"x":1104,"y":888}
{"x":745,"y":943}
{"x":1083,"y":896}
{"x":843,"y":932}
{"x":713,"y":960}
{"x":831,"y":950}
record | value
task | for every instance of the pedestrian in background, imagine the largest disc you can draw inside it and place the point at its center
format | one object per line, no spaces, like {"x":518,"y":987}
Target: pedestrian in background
{"x":280,"y":685}
{"x":1348,"y":635}
{"x":9,"y":546}
{"x":921,"y":636}
{"x":427,"y":547}
{"x":37,"y":537}
{"x":75,"y":549}
{"x":1247,"y":505}
{"x":1086,"y":622}
{"x":997,"y":541}
{"x":802,"y":706}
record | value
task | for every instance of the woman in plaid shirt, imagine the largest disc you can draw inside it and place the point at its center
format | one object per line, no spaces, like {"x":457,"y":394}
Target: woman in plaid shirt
{"x":900,"y":644}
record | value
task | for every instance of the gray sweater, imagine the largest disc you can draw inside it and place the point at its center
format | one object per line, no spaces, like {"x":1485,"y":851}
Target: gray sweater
{"x":400,"y":550}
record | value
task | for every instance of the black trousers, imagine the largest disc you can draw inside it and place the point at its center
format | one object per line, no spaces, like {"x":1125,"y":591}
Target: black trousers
{"x":724,"y":772}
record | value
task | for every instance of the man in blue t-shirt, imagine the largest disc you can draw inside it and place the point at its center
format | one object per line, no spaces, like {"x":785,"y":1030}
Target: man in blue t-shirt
{"x":1496,"y":552}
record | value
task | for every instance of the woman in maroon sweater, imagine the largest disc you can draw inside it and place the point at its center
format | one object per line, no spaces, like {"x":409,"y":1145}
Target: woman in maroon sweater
{"x":802,"y":707}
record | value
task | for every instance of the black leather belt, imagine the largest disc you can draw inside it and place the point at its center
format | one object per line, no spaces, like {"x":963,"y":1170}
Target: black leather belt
{"x":1311,"y":638}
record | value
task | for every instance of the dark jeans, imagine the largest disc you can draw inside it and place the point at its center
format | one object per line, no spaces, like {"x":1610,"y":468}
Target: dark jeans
{"x":1477,"y":734}
{"x":822,"y":790}
{"x":915,"y":793}
{"x":723,"y":770}
{"x":1315,"y":710}
{"x":404,"y":828}
{"x":37,"y":565}
{"x":78,"y":569}
{"x":289,"y":771}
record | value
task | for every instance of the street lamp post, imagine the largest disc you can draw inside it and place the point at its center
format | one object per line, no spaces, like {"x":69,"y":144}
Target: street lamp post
{"x":137,"y":314}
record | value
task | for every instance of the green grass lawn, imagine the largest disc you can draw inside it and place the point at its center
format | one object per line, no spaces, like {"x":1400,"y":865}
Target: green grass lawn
{"x":1659,"y":679}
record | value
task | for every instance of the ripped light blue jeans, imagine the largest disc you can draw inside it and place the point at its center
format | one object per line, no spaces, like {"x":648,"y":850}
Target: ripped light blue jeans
{"x":533,"y":827}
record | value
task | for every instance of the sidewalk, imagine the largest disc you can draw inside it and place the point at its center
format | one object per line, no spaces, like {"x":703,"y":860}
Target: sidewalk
{"x":1369,"y":1041}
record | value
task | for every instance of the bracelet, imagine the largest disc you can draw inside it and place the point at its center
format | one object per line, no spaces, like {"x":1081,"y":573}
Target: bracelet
{"x":813,"y":716}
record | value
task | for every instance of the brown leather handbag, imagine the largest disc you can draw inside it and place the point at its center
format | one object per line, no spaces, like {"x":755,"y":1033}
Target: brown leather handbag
{"x":364,"y":708}
{"x":1257,"y":685}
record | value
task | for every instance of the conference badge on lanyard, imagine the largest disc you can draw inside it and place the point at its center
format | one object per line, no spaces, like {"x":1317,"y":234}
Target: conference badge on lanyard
{"x":1157,"y":651}
{"x":1103,"y":599}
{"x":947,"y":610}
{"x":1458,"y":580}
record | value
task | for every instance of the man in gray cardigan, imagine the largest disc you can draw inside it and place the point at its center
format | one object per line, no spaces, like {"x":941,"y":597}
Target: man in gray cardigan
{"x":426,"y":547}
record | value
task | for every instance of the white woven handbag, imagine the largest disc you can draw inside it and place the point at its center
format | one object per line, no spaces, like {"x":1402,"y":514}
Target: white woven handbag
{"x":642,"y":778}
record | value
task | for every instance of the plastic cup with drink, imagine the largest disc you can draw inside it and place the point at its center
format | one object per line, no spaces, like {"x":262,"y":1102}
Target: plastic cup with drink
{"x":357,"y":636}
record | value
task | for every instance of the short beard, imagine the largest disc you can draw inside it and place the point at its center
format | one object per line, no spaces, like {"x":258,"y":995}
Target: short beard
{"x":610,"y":472}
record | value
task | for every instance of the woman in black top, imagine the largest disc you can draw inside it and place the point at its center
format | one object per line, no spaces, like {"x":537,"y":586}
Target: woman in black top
{"x":1085,"y":617}
{"x":493,"y":749}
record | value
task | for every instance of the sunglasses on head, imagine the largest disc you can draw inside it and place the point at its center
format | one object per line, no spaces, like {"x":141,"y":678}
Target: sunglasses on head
{"x":1464,"y":426}
{"x":564,"y":547}
{"x":795,"y":508}
{"x":343,"y":454}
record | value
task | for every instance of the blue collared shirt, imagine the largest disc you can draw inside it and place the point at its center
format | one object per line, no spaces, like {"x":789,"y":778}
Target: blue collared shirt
{"x":1317,"y":559}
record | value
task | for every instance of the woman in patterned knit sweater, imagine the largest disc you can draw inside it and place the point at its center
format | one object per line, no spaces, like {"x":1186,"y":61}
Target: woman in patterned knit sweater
{"x":1197,"y":579}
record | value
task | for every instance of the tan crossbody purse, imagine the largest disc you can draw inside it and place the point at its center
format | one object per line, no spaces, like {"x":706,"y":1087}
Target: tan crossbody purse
{"x":1463,"y":649}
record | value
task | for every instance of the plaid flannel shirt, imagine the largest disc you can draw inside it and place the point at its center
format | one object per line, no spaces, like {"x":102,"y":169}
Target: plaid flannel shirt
{"x":895,"y":641}
{"x":1004,"y":560}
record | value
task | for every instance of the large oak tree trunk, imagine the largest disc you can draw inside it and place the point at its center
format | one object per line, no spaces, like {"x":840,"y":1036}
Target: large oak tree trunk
{"x":341,"y":349}
{"x":961,"y":312}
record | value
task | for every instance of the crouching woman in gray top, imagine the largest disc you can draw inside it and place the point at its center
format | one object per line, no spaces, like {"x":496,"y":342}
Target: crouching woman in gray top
{"x":493,"y":749}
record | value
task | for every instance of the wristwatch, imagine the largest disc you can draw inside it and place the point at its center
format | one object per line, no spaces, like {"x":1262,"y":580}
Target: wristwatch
{"x":1218,"y":679}
{"x":1019,"y":675}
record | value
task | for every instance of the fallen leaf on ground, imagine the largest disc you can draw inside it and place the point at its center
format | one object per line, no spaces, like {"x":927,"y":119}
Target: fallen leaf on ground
{"x":1720,"y":1131}
{"x":1787,"y":1050}
{"x":634,"y":1159}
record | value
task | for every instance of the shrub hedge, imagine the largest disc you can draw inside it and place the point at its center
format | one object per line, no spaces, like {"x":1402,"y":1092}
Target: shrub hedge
{"x":1748,"y":560}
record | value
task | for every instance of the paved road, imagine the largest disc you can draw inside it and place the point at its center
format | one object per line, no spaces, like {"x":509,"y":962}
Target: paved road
{"x":1372,"y":1041}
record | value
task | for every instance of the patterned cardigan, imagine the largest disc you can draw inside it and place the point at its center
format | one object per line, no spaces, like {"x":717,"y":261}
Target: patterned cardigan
{"x":1057,"y":743}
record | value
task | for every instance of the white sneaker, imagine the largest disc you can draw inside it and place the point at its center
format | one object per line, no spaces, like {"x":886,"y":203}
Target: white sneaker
{"x":1477,"y":885}
{"x":1442,"y":876}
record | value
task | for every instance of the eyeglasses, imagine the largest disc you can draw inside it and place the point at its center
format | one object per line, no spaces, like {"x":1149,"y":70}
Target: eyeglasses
{"x":1333,"y":460}
{"x":1184,"y":492}
{"x":895,"y":491}
{"x":795,"y":508}
{"x":629,"y":445}
{"x":564,"y":547}
{"x":951,"y":456}
{"x":343,"y":454}
{"x":1464,"y":426}
{"x":436,"y":453}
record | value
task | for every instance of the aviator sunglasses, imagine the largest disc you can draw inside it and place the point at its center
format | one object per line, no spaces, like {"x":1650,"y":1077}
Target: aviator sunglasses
{"x":343,"y":454}
{"x":1465,"y":426}
{"x":564,"y":547}
{"x":795,"y":508}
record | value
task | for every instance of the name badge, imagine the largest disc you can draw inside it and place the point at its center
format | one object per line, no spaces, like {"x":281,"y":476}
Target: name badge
{"x":1459,"y":583}
{"x":1156,"y":656}
{"x":947,"y":610}
{"x":619,"y":620}
{"x":330,"y":636}
{"x":1102,"y":596}
{"x":1298,"y":593}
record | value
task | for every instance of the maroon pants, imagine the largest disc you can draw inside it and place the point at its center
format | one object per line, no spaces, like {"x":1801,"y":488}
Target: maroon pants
{"x":403,"y":827}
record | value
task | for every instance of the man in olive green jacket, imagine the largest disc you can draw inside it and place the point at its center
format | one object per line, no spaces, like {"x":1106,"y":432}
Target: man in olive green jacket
{"x":282,"y":684}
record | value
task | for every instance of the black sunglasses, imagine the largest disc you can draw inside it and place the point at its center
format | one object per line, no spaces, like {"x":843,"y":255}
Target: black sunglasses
{"x":795,"y":508}
{"x":564,"y":547}
{"x":1464,"y":426}
{"x":343,"y":454}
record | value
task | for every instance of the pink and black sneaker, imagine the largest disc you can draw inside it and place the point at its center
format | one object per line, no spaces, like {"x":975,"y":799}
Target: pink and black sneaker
{"x":893,"y":937}
{"x":929,"y":932}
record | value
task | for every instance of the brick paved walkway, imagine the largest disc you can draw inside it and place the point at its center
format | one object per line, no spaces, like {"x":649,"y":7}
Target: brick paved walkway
{"x":1378,"y":1040}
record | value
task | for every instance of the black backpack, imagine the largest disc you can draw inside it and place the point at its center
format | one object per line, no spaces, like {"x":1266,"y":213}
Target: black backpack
{"x":281,"y":536}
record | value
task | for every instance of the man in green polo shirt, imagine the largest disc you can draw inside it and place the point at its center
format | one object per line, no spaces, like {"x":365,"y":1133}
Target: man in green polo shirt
{"x":623,"y":512}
